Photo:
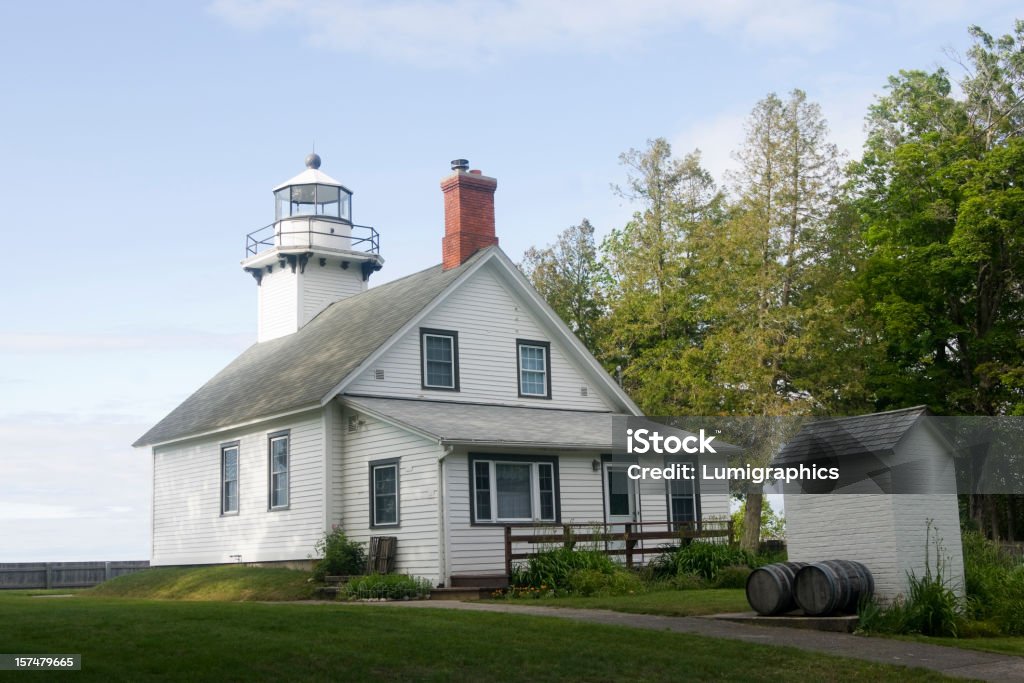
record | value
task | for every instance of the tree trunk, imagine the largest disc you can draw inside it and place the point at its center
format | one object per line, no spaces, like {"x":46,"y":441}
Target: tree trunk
{"x":752,"y":522}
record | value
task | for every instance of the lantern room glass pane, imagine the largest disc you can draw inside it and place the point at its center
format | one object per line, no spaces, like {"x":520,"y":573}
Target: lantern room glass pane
{"x":303,"y":200}
{"x":345,"y":207}
{"x":282,"y":199}
{"x":327,"y":203}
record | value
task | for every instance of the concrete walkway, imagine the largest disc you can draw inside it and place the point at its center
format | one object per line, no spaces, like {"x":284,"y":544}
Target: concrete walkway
{"x":952,"y":661}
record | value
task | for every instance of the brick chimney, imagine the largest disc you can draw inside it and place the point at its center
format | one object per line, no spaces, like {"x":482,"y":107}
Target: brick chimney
{"x":468,"y":213}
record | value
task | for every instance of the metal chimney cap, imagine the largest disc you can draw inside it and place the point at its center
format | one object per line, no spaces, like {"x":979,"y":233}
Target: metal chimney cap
{"x":460,"y":164}
{"x":313,"y":161}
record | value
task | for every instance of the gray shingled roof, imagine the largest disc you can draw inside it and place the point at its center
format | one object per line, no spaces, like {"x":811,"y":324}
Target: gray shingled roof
{"x":873,"y":434}
{"x":469,"y":423}
{"x":298,"y":370}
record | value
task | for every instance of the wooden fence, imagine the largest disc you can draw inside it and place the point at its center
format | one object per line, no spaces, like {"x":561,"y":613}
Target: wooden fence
{"x":634,"y":540}
{"x":64,"y":574}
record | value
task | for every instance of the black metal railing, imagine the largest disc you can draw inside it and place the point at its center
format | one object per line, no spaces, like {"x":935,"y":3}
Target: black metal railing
{"x":283,"y":234}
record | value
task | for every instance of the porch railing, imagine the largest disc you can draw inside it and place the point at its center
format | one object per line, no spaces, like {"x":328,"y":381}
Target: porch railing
{"x":522,"y":541}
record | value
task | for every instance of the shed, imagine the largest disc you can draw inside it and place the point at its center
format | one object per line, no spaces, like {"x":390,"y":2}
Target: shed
{"x":894,"y":506}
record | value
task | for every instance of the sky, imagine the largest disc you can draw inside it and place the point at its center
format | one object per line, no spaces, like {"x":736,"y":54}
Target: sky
{"x":139,"y":143}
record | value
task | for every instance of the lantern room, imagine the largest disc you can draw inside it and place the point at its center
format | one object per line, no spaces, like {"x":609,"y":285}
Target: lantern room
{"x":313,"y":193}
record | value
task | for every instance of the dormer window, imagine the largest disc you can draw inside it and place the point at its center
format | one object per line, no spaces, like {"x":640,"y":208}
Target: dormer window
{"x":439,"y":353}
{"x":534,"y":359}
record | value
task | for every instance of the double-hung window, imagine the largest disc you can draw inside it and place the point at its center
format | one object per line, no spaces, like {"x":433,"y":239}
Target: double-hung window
{"x":229,"y":478}
{"x":384,"y":492}
{"x":279,"y":468}
{"x":682,"y":498}
{"x":439,"y":359}
{"x":533,"y":360}
{"x":514,"y":489}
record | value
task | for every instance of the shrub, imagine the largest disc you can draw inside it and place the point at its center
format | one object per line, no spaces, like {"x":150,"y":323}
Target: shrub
{"x":703,"y":559}
{"x":932,"y":609}
{"x":588,"y":582}
{"x":340,"y":556}
{"x":986,"y":571}
{"x":1009,"y":612}
{"x":385,"y":587}
{"x":732,"y":577}
{"x":551,"y":568}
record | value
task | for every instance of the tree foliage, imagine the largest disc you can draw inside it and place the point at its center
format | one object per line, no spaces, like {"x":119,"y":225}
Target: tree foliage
{"x":804,"y":286}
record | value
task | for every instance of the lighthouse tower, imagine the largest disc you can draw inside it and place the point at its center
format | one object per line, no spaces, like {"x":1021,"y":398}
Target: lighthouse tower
{"x":311,"y":255}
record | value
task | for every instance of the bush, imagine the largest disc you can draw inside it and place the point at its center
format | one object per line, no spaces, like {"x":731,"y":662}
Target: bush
{"x":385,"y":587}
{"x":589,"y":582}
{"x":1009,"y":613}
{"x":732,"y":577}
{"x":702,"y":559}
{"x":551,"y":569}
{"x":932,"y":609}
{"x":994,"y":584}
{"x":341,"y":557}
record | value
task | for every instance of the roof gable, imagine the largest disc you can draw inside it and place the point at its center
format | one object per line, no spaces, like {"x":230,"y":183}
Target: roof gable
{"x":511,"y":278}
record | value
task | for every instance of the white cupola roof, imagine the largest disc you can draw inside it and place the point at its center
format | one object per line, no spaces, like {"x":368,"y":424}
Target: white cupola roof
{"x":312,"y":176}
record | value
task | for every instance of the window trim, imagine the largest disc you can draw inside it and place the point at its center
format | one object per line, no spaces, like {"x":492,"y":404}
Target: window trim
{"x":427,"y":331}
{"x":374,"y":466}
{"x":271,"y":437}
{"x":520,"y":343}
{"x":496,"y":458}
{"x":224,"y":447}
{"x":696,"y":490}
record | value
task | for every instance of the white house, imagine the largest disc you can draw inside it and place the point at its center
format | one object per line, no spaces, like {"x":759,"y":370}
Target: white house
{"x":438,"y":408}
{"x":896,"y":496}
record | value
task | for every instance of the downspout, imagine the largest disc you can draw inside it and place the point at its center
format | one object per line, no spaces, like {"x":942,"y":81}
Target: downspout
{"x":442,"y":514}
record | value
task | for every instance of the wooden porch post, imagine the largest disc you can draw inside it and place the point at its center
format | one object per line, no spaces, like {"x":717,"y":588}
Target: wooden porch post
{"x":508,"y":551}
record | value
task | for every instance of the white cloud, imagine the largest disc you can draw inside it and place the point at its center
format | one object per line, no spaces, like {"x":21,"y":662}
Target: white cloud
{"x":463,"y":32}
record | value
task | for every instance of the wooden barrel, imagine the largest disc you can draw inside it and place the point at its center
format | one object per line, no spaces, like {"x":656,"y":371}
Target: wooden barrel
{"x":832,"y":587}
{"x":770,"y":588}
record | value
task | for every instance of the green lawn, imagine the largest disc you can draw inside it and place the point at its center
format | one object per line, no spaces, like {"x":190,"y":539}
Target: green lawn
{"x":158,"y":639}
{"x":1007,"y":645}
{"x":222,"y":582}
{"x":674,"y":603}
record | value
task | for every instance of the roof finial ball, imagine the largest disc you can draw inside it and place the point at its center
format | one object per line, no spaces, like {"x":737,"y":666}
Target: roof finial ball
{"x":313,"y":161}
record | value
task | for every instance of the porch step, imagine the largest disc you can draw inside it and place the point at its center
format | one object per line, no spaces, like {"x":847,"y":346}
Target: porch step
{"x":325,"y":592}
{"x":462,"y":593}
{"x":488,"y":581}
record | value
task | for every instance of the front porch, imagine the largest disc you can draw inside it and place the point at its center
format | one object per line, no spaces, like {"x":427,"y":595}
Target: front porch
{"x":636,"y":542}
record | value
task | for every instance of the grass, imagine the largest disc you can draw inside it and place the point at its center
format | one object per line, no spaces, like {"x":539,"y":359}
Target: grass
{"x":159,"y":640}
{"x":1005,"y":645}
{"x":673,"y":603}
{"x":224,"y":582}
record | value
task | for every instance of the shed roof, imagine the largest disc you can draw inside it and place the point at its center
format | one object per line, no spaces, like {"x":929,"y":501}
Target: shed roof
{"x":296,"y":371}
{"x":872,"y":434}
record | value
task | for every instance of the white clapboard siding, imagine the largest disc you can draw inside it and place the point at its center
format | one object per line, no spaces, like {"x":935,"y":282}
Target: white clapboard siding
{"x":488,"y":319}
{"x":714,"y":493}
{"x":187,"y":525}
{"x":320,"y":286}
{"x":278,"y":304}
{"x":418,"y":534}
